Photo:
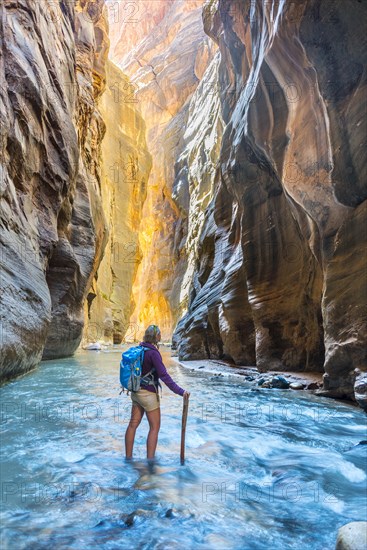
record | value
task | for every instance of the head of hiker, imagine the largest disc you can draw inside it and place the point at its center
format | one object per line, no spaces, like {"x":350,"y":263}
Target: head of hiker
{"x":146,"y":399}
{"x":152,"y":334}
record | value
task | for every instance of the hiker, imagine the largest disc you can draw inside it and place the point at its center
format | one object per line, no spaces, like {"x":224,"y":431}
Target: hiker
{"x":147,"y":399}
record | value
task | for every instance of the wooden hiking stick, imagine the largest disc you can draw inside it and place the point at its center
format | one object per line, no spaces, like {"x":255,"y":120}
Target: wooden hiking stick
{"x":183,"y":429}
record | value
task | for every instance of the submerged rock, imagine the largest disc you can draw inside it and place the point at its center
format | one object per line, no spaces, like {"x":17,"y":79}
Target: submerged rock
{"x":129,"y":519}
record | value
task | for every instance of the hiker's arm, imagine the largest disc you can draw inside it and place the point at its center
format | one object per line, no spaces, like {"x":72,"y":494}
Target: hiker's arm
{"x":165,"y":377}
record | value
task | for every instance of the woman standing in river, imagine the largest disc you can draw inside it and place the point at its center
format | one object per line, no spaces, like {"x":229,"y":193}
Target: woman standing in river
{"x":147,"y":399}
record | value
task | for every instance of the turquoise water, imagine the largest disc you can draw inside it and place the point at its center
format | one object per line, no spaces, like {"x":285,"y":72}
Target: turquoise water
{"x":264,"y":469}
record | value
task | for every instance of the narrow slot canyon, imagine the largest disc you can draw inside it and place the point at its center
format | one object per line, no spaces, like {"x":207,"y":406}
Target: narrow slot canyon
{"x":198,"y":165}
{"x":183,"y":194}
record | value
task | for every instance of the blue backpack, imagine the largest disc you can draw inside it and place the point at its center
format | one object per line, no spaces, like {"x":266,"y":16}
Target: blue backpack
{"x":131,"y":365}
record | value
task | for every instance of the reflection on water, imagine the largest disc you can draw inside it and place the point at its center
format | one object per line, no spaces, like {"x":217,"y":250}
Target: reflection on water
{"x":264,"y":468}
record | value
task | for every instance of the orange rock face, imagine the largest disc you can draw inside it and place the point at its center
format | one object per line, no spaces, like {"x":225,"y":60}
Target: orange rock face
{"x":125,"y":170}
{"x":165,"y":54}
{"x":132,"y":22}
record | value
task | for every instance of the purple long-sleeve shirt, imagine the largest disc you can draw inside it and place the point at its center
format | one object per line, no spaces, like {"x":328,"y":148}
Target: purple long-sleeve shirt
{"x":152,"y":358}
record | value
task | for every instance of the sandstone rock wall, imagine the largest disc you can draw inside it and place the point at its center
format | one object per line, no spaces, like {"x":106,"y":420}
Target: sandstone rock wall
{"x":289,"y":195}
{"x":165,"y":67}
{"x":204,"y":243}
{"x":126,"y":164}
{"x":53,"y":229}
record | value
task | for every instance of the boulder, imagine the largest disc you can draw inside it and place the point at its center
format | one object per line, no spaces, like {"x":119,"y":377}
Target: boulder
{"x":279,"y":382}
{"x":360,"y":389}
{"x":352,"y":536}
{"x":312,"y":386}
{"x":296,"y":386}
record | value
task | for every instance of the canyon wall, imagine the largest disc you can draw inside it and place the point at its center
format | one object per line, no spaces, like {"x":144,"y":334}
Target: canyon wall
{"x":164,"y":50}
{"x":280,"y":260}
{"x":53,"y":230}
{"x":125,"y":170}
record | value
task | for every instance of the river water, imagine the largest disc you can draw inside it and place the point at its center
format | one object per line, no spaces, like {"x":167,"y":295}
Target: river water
{"x":264,"y":468}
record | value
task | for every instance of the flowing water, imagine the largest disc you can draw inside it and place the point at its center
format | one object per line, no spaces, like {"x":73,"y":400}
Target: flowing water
{"x":264,"y":468}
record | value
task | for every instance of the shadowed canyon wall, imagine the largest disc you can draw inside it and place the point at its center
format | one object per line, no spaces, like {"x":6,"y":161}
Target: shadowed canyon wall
{"x":53,"y":229}
{"x":289,"y":203}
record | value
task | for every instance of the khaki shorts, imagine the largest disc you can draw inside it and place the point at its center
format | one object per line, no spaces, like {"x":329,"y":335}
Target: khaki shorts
{"x":146,"y":399}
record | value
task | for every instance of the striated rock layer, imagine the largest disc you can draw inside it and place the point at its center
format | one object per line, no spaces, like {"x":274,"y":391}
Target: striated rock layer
{"x":53,"y":230}
{"x":165,"y":54}
{"x":126,"y":164}
{"x":280,"y":260}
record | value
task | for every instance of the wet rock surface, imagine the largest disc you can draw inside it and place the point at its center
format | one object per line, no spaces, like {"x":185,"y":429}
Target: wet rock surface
{"x":272,"y":380}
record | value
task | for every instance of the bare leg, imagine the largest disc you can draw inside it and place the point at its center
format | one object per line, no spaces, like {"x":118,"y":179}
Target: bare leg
{"x":154,"y":419}
{"x":137,"y":413}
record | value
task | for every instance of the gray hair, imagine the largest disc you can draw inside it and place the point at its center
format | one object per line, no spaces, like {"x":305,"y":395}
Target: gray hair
{"x":151,"y":334}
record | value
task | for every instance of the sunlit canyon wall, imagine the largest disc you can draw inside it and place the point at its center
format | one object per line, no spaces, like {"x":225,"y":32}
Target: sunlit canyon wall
{"x":125,"y":170}
{"x":53,"y":229}
{"x":162,"y":47}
